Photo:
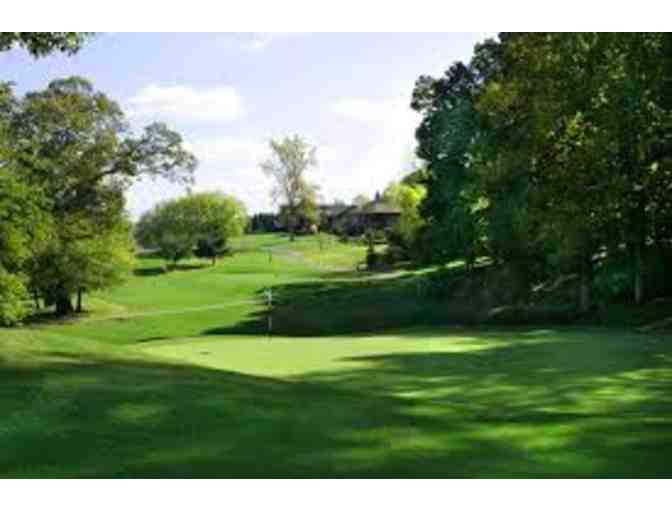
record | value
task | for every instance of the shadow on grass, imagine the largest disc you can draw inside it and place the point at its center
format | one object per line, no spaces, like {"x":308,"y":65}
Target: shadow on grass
{"x":547,"y":404}
{"x":161,"y":270}
{"x":354,"y":305}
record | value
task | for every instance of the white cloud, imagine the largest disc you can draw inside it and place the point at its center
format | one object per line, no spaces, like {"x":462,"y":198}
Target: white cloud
{"x":227,"y":164}
{"x":223,"y":150}
{"x":179,"y":102}
{"x":362,"y":145}
{"x":372,"y":142}
{"x":368,"y":111}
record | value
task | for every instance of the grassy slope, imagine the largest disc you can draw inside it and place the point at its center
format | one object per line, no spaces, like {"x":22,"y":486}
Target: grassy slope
{"x":166,"y":395}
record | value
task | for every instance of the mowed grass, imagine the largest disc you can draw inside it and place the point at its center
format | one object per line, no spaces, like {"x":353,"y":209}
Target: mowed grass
{"x":148,"y":386}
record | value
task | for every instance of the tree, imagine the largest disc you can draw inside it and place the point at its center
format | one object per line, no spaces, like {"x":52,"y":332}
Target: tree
{"x":39,"y":44}
{"x":583,"y":119}
{"x":291,"y":158}
{"x":445,"y":137}
{"x":165,"y":229}
{"x":23,"y":229}
{"x":73,"y":144}
{"x":83,"y":265}
{"x":21,"y":218}
{"x":632,"y":81}
{"x":361,"y":200}
{"x":220,"y":217}
{"x":408,"y":198}
{"x":308,"y":210}
{"x":547,"y":149}
{"x":200,"y":223}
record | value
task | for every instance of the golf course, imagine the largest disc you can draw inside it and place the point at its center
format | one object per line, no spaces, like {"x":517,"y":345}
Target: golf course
{"x":358,"y":374}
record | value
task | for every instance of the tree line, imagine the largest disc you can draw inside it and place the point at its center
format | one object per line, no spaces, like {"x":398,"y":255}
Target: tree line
{"x":549,"y":153}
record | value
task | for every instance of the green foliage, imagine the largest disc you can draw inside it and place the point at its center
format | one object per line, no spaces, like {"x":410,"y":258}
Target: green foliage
{"x":68,"y":158}
{"x":23,"y":230}
{"x":372,"y":258}
{"x":408,"y":198}
{"x":12,"y":298}
{"x":547,"y":148}
{"x":66,"y":267}
{"x":361,"y":200}
{"x":291,"y":159}
{"x":40,"y":44}
{"x":201,"y":221}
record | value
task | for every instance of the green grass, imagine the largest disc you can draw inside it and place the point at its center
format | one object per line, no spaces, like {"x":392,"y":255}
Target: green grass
{"x":361,"y":379}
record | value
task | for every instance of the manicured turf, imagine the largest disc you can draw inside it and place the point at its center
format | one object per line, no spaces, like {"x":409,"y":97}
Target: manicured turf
{"x":164,"y":378}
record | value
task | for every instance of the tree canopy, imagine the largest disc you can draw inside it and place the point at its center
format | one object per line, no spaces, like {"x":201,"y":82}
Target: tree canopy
{"x":291,"y":159}
{"x":199,"y":223}
{"x":68,"y":156}
{"x":40,"y":44}
{"x":547,"y":149}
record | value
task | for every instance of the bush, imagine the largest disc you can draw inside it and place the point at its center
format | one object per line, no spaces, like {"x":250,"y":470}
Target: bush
{"x":507,"y":284}
{"x":611,"y":285}
{"x":442,"y":284}
{"x":395,"y":238}
{"x":379,"y":236}
{"x":395,"y":254}
{"x":372,"y":259}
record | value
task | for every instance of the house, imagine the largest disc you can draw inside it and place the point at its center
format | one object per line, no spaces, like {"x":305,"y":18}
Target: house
{"x":328,"y":212}
{"x":379,"y":214}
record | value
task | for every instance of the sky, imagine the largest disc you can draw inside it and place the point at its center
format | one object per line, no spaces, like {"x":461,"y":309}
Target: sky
{"x":228,"y":94}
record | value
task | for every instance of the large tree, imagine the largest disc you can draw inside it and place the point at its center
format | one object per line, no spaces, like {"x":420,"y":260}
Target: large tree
{"x":73,"y":144}
{"x":290,"y":161}
{"x":23,"y":222}
{"x":445,"y":137}
{"x":548,"y":149}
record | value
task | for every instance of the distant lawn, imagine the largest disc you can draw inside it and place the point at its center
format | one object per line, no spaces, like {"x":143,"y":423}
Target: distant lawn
{"x":173,"y":375}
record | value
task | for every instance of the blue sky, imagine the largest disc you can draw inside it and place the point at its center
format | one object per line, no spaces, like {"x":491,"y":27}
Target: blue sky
{"x":228,"y":94}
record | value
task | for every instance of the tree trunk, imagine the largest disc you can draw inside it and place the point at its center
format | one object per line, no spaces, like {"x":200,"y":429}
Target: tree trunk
{"x":36,"y":298}
{"x":79,"y":300}
{"x":214,"y":260}
{"x":291,"y":226}
{"x":638,"y":279}
{"x":585,"y":281}
{"x":63,"y":304}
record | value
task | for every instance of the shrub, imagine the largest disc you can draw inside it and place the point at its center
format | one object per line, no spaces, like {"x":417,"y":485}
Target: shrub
{"x":395,"y":254}
{"x":442,"y":283}
{"x":610,"y":285}
{"x":372,"y":258}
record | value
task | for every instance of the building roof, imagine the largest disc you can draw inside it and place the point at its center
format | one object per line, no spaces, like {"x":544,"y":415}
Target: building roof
{"x":379,"y":206}
{"x":333,"y":209}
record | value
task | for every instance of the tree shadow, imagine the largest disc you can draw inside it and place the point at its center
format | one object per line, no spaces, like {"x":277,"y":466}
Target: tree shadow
{"x":547,"y":404}
{"x":161,"y":270}
{"x":347,"y":306}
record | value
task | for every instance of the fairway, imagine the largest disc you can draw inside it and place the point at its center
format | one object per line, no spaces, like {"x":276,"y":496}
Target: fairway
{"x":174,"y":375}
